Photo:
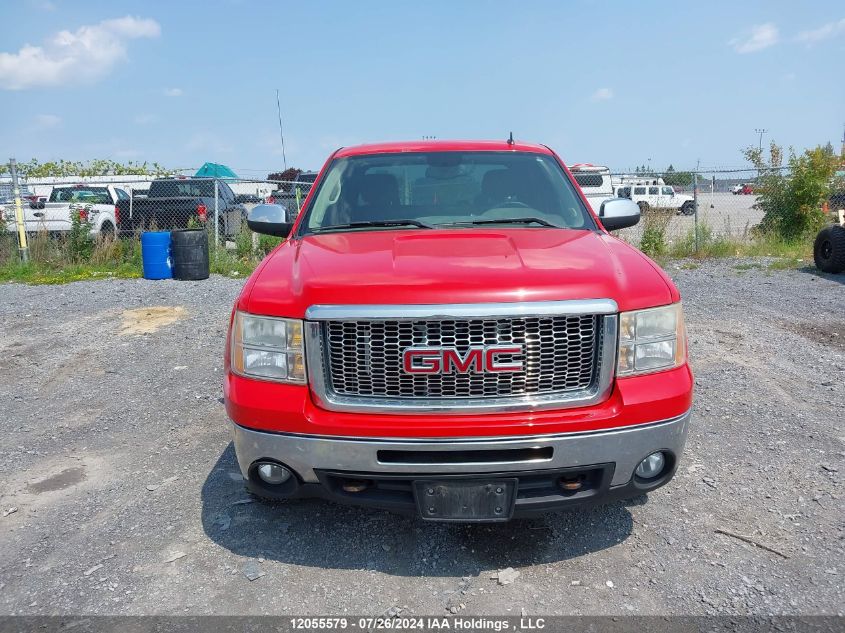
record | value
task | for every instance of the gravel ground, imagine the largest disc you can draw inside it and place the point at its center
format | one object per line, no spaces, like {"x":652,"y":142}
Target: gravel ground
{"x":118,"y":463}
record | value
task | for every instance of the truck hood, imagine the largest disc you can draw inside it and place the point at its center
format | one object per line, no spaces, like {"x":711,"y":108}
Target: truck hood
{"x":453,"y":266}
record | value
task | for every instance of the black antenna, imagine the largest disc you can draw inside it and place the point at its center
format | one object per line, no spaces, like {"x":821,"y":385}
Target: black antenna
{"x":281,"y":131}
{"x":510,"y":139}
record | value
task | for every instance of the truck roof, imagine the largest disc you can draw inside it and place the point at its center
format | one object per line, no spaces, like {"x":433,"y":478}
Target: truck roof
{"x":442,"y":146}
{"x":587,"y":167}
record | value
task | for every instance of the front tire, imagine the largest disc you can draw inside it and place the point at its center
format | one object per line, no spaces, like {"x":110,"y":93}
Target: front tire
{"x":688,"y":208}
{"x":643,"y":207}
{"x":829,"y":249}
{"x":107,"y":229}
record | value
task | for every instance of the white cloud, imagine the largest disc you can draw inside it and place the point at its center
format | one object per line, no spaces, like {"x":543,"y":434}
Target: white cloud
{"x":760,"y":36}
{"x":174,"y":92}
{"x":45,"y":121}
{"x":602,"y":94}
{"x":86,"y":54}
{"x":822,"y":33}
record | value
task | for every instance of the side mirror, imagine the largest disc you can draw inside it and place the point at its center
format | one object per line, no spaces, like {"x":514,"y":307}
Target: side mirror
{"x":270,"y":219}
{"x":619,"y":213}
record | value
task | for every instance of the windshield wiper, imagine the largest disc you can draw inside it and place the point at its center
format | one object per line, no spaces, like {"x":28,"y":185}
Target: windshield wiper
{"x":371,"y":223}
{"x":539,"y":221}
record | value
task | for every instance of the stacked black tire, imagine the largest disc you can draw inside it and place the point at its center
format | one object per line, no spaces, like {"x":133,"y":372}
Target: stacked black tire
{"x":189,"y":249}
{"x":829,"y":249}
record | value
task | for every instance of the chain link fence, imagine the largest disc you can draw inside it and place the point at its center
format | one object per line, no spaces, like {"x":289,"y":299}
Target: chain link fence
{"x":721,"y":203}
{"x":130,"y":205}
{"x":680,"y":206}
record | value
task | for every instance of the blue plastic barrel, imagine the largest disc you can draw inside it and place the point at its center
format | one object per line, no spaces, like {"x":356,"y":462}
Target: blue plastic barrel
{"x":155,"y":255}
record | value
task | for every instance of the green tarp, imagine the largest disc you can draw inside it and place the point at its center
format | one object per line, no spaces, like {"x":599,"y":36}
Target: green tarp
{"x":214,"y":170}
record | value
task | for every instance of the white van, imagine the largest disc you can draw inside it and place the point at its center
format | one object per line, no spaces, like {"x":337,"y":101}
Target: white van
{"x":655,"y":195}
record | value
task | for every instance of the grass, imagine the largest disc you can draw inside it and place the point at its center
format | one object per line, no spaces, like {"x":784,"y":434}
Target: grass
{"x":37,"y":273}
{"x":789,"y":253}
{"x":59,"y":260}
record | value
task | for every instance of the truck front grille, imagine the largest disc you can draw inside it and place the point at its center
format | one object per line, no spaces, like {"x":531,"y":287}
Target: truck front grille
{"x":363,"y":358}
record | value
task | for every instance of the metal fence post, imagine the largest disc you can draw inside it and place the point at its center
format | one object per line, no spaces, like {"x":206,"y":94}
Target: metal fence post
{"x":23,"y":247}
{"x":131,"y":199}
{"x":216,"y":216}
{"x":695,"y":206}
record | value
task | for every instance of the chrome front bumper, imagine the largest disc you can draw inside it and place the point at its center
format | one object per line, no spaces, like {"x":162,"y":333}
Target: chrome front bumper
{"x":623,"y":447}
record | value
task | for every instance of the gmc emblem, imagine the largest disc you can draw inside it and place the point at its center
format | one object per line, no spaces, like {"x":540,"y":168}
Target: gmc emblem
{"x":478,"y":359}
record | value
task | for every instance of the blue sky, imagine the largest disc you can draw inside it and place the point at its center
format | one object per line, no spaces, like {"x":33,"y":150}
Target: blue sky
{"x":615,"y":83}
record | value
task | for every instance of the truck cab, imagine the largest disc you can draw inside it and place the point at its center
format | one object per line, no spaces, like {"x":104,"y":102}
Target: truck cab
{"x":595,"y":183}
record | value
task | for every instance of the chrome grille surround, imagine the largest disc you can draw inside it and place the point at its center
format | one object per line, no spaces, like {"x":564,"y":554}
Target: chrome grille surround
{"x":354,"y":356}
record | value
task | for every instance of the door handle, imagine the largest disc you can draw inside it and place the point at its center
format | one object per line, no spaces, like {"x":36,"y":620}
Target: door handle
{"x":38,"y":214}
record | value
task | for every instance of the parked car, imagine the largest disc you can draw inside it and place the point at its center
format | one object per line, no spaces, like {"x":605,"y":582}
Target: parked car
{"x":595,"y":183}
{"x":743,"y":189}
{"x":286,"y":195}
{"x":656,"y":196}
{"x":95,"y":203}
{"x":450,"y":330}
{"x":171,"y":203}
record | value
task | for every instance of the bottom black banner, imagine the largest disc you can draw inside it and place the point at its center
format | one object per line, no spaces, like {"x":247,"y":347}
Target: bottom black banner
{"x":426,"y":623}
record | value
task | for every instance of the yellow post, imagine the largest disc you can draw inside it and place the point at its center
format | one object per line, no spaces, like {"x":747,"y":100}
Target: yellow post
{"x":23,"y":248}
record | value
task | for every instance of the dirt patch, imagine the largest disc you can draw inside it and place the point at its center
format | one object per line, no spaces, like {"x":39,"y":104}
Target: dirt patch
{"x":65,"y":479}
{"x":149,"y":320}
{"x":825,"y":333}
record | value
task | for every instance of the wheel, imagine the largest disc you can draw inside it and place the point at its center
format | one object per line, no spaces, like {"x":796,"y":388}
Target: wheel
{"x":643,"y":207}
{"x":829,"y":249}
{"x":688,"y":208}
{"x":107,"y":229}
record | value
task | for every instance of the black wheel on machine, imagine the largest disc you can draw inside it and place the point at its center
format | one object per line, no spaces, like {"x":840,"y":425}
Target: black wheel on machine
{"x":829,"y":249}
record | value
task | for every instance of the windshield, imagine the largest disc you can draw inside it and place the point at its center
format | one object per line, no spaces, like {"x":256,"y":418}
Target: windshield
{"x":182,"y":188}
{"x":445,"y":188}
{"x":89,"y":195}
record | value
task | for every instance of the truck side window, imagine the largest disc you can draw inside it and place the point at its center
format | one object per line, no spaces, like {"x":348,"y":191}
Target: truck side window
{"x":653,"y":191}
{"x":639,"y":191}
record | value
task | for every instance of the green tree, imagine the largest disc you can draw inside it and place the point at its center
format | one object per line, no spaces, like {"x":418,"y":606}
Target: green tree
{"x":792,"y":199}
{"x":286,"y":177}
{"x":96,"y":167}
{"x":677,"y":178}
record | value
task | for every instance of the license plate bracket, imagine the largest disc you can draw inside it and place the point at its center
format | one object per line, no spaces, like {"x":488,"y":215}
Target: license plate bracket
{"x":465,"y":500}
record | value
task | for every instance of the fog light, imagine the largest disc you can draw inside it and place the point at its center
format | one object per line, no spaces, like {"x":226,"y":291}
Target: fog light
{"x":273,"y":474}
{"x":651,"y":466}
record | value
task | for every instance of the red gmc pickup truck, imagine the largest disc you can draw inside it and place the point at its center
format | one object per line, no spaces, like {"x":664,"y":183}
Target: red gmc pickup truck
{"x":450,"y":330}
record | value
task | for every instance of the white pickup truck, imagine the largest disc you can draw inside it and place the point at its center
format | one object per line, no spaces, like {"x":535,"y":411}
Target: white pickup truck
{"x":595,"y":183}
{"x":96,"y":203}
{"x":656,"y":195}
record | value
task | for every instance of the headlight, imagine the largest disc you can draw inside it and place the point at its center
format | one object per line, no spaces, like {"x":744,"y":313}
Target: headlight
{"x":268,"y":348}
{"x":651,"y":340}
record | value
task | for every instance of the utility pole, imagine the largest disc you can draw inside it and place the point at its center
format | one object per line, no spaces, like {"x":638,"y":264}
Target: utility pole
{"x":695,"y":202}
{"x":23,"y":248}
{"x":760,"y":131}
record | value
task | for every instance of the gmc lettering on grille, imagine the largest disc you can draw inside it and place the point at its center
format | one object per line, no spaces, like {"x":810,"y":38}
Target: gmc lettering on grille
{"x":478,"y":359}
